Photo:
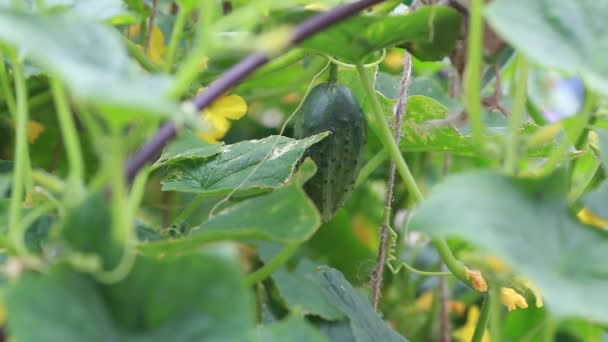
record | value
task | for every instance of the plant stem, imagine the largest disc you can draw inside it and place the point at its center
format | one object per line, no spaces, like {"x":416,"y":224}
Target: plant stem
{"x":176,"y":35}
{"x":279,"y":63}
{"x":472,"y":76}
{"x":48,"y":181}
{"x":20,"y":172}
{"x":450,"y":260}
{"x":371,"y":166}
{"x":274,"y":264}
{"x":495,"y":313}
{"x":191,"y":67}
{"x":580,"y":126}
{"x":183,"y":216}
{"x":150,"y":25}
{"x":386,"y":136}
{"x":140,"y":56}
{"x":517,"y":114}
{"x":482,"y":323}
{"x":384,"y":247}
{"x":7,"y":90}
{"x":68,"y":132}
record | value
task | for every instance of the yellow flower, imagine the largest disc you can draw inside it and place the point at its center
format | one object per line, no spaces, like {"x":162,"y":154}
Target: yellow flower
{"x":157,"y":48}
{"x":394,"y":60}
{"x":476,"y":279}
{"x":587,"y":217}
{"x":465,"y":333}
{"x":425,"y":301}
{"x":497,"y":265}
{"x":511,"y":299}
{"x":34,"y":129}
{"x":216,"y":116}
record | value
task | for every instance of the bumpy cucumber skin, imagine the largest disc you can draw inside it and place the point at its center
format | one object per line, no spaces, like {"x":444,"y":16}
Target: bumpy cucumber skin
{"x":339,"y":157}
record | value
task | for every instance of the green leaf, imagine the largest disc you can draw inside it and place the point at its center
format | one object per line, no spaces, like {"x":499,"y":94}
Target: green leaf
{"x":113,"y":11}
{"x":91,"y":60}
{"x":61,"y":304}
{"x":364,"y":321}
{"x":429,"y":32}
{"x":195,"y":297}
{"x":567,"y":35}
{"x":248,"y":166}
{"x":183,"y":299}
{"x":337,"y":331}
{"x":596,"y":200}
{"x":300,"y":288}
{"x":187,"y":146}
{"x":292,"y":329}
{"x":603,"y":145}
{"x":87,"y":229}
{"x":351,"y":257}
{"x":285,"y":215}
{"x":510,"y":217}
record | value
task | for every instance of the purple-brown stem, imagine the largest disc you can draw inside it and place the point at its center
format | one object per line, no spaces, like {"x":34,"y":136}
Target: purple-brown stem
{"x":236,"y":74}
{"x":400,"y":109}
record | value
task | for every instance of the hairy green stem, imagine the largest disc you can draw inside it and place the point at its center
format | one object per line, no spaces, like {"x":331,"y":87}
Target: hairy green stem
{"x":579,"y":127}
{"x":387,"y":140}
{"x":176,"y":35}
{"x":122,"y":211}
{"x":472,"y":89}
{"x":190,"y":68}
{"x":140,"y":56}
{"x":482,"y":323}
{"x":371,"y":166}
{"x":517,"y":115}
{"x":274,"y":264}
{"x":495,"y":313}
{"x":68,"y":131}
{"x":20,"y":168}
{"x":386,"y":136}
{"x":7,"y":90}
{"x":279,"y":63}
{"x":183,"y":216}
{"x":48,"y":181}
{"x":450,"y":261}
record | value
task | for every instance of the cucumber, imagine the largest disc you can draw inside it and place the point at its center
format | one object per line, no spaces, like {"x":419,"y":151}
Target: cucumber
{"x":339,"y":157}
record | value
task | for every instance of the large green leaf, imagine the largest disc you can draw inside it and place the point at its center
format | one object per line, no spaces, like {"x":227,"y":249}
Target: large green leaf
{"x":300,"y":287}
{"x":61,"y":304}
{"x":187,"y":146}
{"x":285,"y":215}
{"x":90,"y":59}
{"x":292,"y":329}
{"x":248,"y":166}
{"x":429,"y":32}
{"x":111,"y":10}
{"x":87,"y":229}
{"x":366,"y":325}
{"x":511,"y":218}
{"x":194,"y":298}
{"x":353,"y":259}
{"x":568,"y":35}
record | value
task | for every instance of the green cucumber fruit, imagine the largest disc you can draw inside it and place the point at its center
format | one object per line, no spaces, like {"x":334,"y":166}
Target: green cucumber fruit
{"x":339,"y":157}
